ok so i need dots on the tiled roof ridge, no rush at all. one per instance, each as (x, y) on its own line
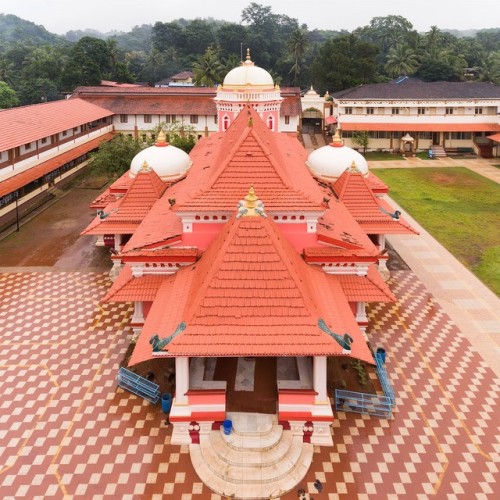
(213, 257)
(348, 174)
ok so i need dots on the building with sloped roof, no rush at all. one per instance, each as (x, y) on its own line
(43, 145)
(410, 115)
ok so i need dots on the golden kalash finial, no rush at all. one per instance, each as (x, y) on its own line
(162, 139)
(354, 168)
(250, 205)
(145, 167)
(248, 55)
(337, 142)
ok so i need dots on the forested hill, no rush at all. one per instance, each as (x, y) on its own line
(13, 29)
(37, 66)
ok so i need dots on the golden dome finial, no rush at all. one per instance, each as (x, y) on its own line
(145, 167)
(248, 54)
(354, 168)
(250, 205)
(162, 139)
(337, 141)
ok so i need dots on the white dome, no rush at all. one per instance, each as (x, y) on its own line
(169, 162)
(331, 161)
(248, 74)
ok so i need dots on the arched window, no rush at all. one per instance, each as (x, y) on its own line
(270, 122)
(225, 123)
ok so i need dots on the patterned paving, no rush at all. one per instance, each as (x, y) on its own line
(67, 431)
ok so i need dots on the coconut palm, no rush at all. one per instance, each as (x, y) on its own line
(401, 61)
(297, 47)
(208, 69)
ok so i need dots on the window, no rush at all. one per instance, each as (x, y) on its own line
(395, 111)
(270, 122)
(44, 140)
(144, 138)
(225, 123)
(65, 133)
(27, 146)
(147, 118)
(193, 119)
(425, 135)
(216, 119)
(287, 119)
(421, 111)
(449, 111)
(369, 111)
(348, 111)
(478, 111)
(123, 118)
(461, 136)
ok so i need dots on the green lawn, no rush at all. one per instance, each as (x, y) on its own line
(460, 208)
(382, 156)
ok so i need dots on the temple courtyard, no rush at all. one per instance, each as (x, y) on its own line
(67, 431)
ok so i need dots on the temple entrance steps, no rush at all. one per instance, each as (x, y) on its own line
(438, 151)
(259, 459)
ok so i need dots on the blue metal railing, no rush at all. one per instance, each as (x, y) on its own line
(359, 402)
(138, 385)
(371, 404)
(384, 379)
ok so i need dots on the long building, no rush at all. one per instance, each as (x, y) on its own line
(42, 146)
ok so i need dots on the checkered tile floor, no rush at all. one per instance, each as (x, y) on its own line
(67, 431)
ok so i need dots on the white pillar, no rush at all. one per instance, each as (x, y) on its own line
(381, 242)
(181, 380)
(319, 375)
(118, 241)
(138, 316)
(361, 312)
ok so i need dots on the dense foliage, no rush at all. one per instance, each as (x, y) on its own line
(41, 66)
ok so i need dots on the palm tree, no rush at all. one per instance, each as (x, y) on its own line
(154, 60)
(401, 61)
(208, 69)
(297, 47)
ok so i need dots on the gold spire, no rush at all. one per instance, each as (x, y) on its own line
(248, 54)
(145, 167)
(250, 205)
(162, 139)
(354, 168)
(337, 141)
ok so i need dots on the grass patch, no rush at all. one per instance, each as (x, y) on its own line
(460, 208)
(382, 156)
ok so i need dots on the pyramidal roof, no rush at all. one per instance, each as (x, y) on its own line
(125, 214)
(250, 294)
(251, 154)
(373, 214)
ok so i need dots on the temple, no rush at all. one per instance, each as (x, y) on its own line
(249, 264)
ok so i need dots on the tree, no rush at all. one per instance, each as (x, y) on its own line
(401, 61)
(361, 139)
(8, 97)
(113, 158)
(208, 70)
(297, 46)
(37, 90)
(180, 136)
(344, 62)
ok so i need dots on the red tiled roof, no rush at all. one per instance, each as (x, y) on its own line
(126, 288)
(15, 182)
(250, 154)
(291, 106)
(370, 288)
(422, 127)
(155, 105)
(370, 212)
(142, 91)
(26, 124)
(494, 137)
(127, 212)
(250, 294)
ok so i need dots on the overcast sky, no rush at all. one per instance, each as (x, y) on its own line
(60, 16)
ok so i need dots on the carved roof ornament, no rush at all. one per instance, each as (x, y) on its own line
(145, 167)
(162, 139)
(337, 142)
(354, 168)
(250, 205)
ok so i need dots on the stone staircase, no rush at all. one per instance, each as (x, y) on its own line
(259, 459)
(438, 151)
